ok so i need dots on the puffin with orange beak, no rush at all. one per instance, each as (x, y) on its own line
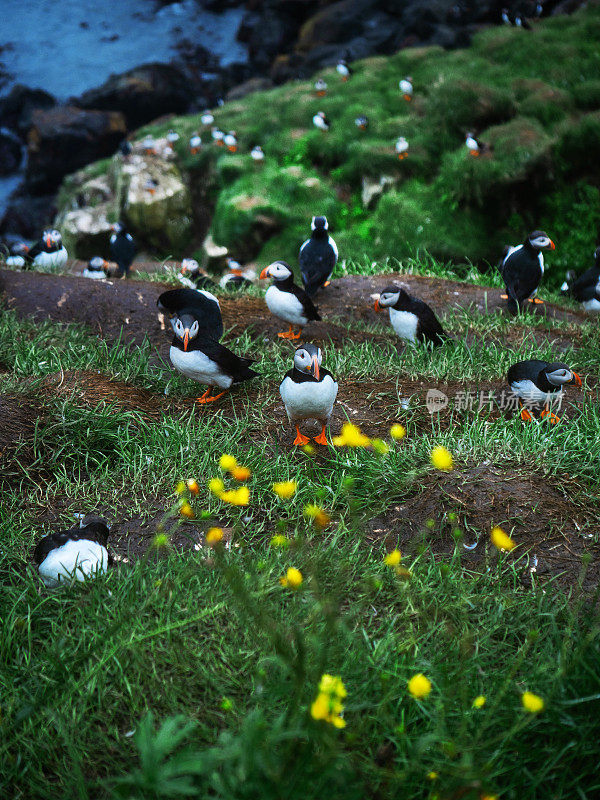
(193, 276)
(308, 391)
(96, 269)
(539, 385)
(48, 253)
(286, 301)
(522, 269)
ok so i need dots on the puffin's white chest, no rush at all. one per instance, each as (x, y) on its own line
(405, 324)
(78, 559)
(309, 400)
(199, 367)
(15, 261)
(529, 392)
(592, 306)
(285, 305)
(51, 260)
(94, 274)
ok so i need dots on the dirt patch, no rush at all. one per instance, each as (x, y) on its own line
(19, 416)
(551, 525)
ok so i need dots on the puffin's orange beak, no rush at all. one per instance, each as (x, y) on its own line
(577, 379)
(183, 270)
(552, 245)
(48, 241)
(315, 368)
(264, 274)
(237, 272)
(377, 307)
(186, 339)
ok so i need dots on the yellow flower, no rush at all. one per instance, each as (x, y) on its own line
(285, 489)
(419, 686)
(501, 540)
(227, 462)
(479, 701)
(241, 473)
(393, 559)
(398, 431)
(214, 536)
(532, 702)
(309, 449)
(186, 510)
(328, 704)
(292, 579)
(192, 486)
(319, 517)
(216, 486)
(236, 497)
(380, 447)
(351, 437)
(279, 540)
(442, 459)
(160, 541)
(489, 797)
(432, 776)
(180, 488)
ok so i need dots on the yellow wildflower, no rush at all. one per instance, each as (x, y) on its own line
(292, 579)
(227, 462)
(351, 437)
(432, 776)
(186, 510)
(332, 684)
(160, 541)
(398, 431)
(393, 559)
(285, 489)
(380, 447)
(180, 488)
(419, 686)
(442, 459)
(279, 540)
(236, 497)
(192, 485)
(214, 536)
(320, 518)
(216, 486)
(328, 704)
(241, 473)
(479, 701)
(501, 540)
(309, 449)
(532, 702)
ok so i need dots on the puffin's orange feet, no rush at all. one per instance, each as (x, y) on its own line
(321, 438)
(326, 284)
(300, 438)
(547, 413)
(289, 334)
(504, 297)
(205, 398)
(536, 300)
(526, 415)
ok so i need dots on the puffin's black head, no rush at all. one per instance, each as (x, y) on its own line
(308, 359)
(95, 528)
(559, 374)
(393, 297)
(278, 270)
(186, 327)
(319, 225)
(540, 240)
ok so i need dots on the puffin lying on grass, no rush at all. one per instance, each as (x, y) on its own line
(192, 276)
(75, 554)
(308, 391)
(585, 288)
(48, 253)
(522, 268)
(538, 385)
(411, 318)
(97, 269)
(286, 301)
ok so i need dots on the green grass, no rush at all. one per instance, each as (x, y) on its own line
(219, 644)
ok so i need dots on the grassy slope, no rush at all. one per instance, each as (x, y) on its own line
(229, 649)
(535, 96)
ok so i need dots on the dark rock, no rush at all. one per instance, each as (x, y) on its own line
(64, 139)
(26, 216)
(248, 87)
(18, 106)
(10, 152)
(141, 94)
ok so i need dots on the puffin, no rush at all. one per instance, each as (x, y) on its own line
(198, 355)
(522, 268)
(411, 318)
(125, 148)
(362, 122)
(207, 118)
(318, 257)
(150, 186)
(406, 88)
(257, 154)
(286, 301)
(237, 277)
(320, 87)
(505, 16)
(308, 391)
(230, 141)
(343, 70)
(122, 249)
(17, 255)
(401, 147)
(172, 138)
(585, 288)
(192, 276)
(475, 146)
(48, 253)
(96, 269)
(200, 304)
(217, 136)
(195, 143)
(321, 122)
(538, 384)
(149, 145)
(78, 553)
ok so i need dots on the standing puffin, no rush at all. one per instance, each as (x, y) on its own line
(192, 276)
(122, 249)
(195, 143)
(96, 268)
(286, 301)
(585, 288)
(200, 304)
(149, 145)
(150, 186)
(362, 122)
(230, 141)
(321, 122)
(401, 147)
(172, 138)
(343, 70)
(217, 136)
(257, 154)
(411, 318)
(207, 118)
(406, 88)
(318, 256)
(320, 87)
(308, 391)
(78, 553)
(522, 268)
(539, 384)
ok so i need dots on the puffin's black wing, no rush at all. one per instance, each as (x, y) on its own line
(311, 311)
(521, 275)
(94, 532)
(584, 284)
(205, 310)
(228, 362)
(430, 328)
(123, 250)
(525, 370)
(317, 261)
